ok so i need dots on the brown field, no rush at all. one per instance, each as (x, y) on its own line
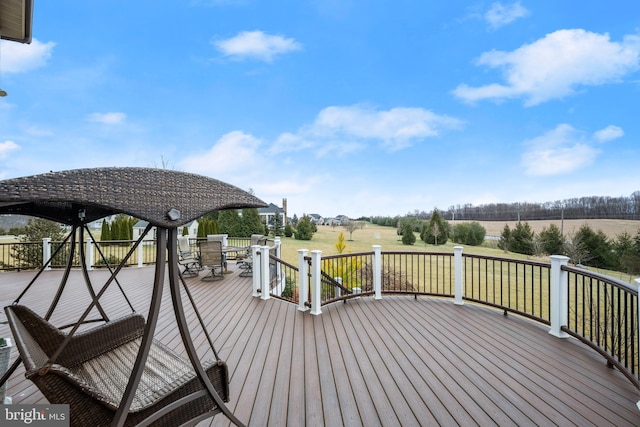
(611, 227)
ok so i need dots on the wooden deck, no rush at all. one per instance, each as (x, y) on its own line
(399, 361)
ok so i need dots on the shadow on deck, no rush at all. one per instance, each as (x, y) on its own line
(399, 361)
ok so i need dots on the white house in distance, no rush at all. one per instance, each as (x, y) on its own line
(139, 227)
(268, 214)
(316, 219)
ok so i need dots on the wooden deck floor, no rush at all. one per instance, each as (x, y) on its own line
(399, 361)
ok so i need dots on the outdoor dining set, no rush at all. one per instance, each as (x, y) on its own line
(212, 254)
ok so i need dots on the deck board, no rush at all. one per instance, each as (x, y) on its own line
(398, 361)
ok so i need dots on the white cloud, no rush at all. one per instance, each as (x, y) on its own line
(500, 15)
(234, 152)
(555, 66)
(256, 45)
(609, 133)
(112, 118)
(20, 57)
(7, 148)
(345, 129)
(560, 151)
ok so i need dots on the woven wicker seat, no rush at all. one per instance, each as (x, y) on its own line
(95, 367)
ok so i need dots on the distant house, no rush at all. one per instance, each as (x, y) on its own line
(139, 227)
(316, 219)
(342, 219)
(269, 213)
(331, 221)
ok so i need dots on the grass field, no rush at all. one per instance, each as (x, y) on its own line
(611, 227)
(326, 238)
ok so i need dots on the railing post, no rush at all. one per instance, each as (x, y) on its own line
(458, 275)
(88, 247)
(338, 290)
(377, 271)
(280, 280)
(559, 296)
(316, 282)
(46, 251)
(303, 280)
(277, 243)
(255, 268)
(264, 273)
(141, 254)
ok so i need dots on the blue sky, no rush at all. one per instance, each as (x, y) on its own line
(348, 107)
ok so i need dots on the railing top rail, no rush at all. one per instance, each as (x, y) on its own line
(416, 253)
(281, 261)
(520, 261)
(632, 289)
(350, 254)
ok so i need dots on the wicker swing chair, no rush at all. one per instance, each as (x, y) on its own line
(117, 373)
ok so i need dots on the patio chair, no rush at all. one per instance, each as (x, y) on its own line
(211, 257)
(93, 370)
(187, 259)
(246, 260)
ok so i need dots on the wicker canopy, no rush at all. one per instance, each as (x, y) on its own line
(162, 197)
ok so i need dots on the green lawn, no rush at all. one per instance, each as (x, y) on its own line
(326, 238)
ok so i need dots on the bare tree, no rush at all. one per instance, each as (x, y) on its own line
(351, 226)
(576, 249)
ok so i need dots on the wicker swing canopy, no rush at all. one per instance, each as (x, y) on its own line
(164, 198)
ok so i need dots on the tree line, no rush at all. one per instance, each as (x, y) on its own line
(593, 207)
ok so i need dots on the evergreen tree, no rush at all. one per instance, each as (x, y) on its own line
(341, 245)
(522, 239)
(551, 240)
(185, 231)
(436, 231)
(251, 222)
(28, 256)
(288, 230)
(597, 245)
(277, 226)
(505, 238)
(304, 230)
(408, 238)
(229, 222)
(625, 255)
(469, 233)
(115, 230)
(105, 233)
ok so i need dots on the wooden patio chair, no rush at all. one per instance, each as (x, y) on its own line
(211, 257)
